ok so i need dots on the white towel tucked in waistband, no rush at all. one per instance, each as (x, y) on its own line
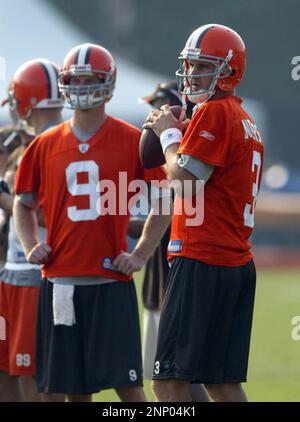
(63, 306)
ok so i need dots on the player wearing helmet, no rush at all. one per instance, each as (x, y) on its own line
(88, 329)
(35, 96)
(36, 105)
(206, 319)
(157, 268)
(212, 62)
(90, 61)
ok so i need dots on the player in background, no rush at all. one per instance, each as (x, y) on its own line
(36, 105)
(205, 325)
(9, 140)
(157, 268)
(88, 327)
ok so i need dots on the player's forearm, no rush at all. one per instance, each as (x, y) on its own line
(6, 202)
(174, 171)
(25, 220)
(178, 175)
(154, 229)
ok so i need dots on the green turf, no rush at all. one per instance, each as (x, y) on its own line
(274, 367)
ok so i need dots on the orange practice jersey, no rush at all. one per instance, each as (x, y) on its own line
(66, 173)
(222, 135)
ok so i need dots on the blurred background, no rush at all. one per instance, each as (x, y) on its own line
(146, 38)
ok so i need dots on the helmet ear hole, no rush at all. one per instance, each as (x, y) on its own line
(228, 71)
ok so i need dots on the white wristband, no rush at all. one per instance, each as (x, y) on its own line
(169, 137)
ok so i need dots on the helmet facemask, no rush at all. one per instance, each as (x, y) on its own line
(84, 97)
(185, 80)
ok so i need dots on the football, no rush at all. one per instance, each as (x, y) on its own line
(151, 153)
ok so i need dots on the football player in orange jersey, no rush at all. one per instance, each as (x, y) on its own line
(35, 104)
(88, 335)
(205, 325)
(157, 268)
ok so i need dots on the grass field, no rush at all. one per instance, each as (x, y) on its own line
(274, 367)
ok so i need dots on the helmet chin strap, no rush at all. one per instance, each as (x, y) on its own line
(201, 98)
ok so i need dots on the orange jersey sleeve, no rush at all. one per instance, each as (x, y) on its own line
(207, 137)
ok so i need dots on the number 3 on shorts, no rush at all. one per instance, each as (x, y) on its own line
(156, 367)
(83, 189)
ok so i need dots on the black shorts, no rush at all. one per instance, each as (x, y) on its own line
(205, 325)
(102, 350)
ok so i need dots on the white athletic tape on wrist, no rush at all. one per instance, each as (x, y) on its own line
(169, 137)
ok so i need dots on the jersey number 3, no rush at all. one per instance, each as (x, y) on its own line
(248, 216)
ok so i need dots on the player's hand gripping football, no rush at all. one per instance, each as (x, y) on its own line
(160, 120)
(128, 263)
(39, 254)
